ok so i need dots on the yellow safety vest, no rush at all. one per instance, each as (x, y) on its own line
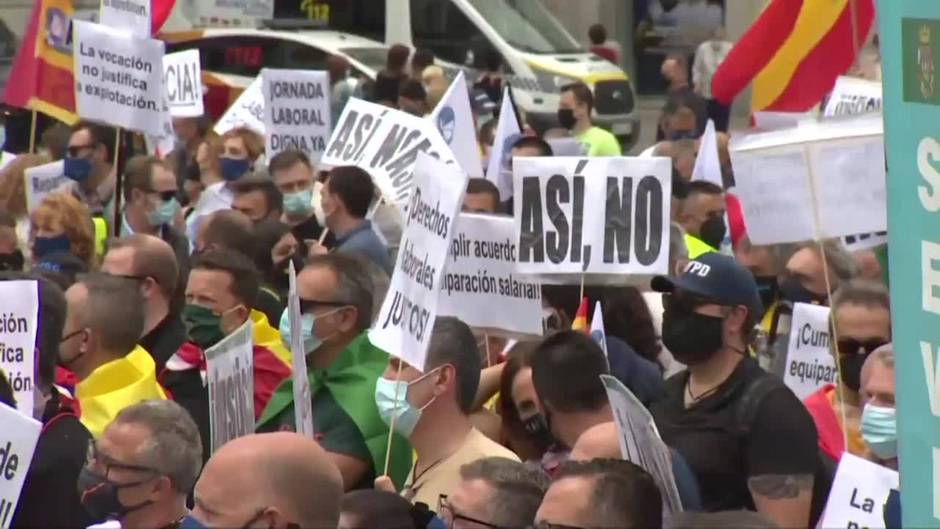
(697, 246)
(101, 234)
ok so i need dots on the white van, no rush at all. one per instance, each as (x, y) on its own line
(539, 55)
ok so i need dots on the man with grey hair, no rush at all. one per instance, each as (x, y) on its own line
(879, 422)
(495, 492)
(103, 323)
(807, 278)
(142, 468)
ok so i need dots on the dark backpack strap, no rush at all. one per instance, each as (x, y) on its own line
(749, 404)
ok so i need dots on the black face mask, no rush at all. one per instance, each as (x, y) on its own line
(99, 496)
(537, 426)
(713, 231)
(850, 367)
(793, 291)
(566, 118)
(692, 338)
(12, 261)
(767, 288)
(680, 188)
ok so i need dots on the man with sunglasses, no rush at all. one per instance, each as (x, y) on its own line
(89, 166)
(494, 493)
(335, 293)
(861, 316)
(748, 439)
(142, 468)
(151, 206)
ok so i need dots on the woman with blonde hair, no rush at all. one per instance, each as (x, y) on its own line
(13, 190)
(62, 224)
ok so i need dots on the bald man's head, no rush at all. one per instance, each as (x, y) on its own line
(227, 229)
(282, 477)
(601, 441)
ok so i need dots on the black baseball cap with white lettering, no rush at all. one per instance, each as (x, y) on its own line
(718, 278)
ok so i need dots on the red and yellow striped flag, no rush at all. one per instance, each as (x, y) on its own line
(580, 322)
(794, 52)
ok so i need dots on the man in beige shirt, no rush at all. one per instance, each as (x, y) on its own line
(432, 410)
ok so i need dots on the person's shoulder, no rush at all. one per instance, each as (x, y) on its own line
(478, 446)
(64, 440)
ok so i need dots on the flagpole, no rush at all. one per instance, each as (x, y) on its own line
(118, 188)
(32, 133)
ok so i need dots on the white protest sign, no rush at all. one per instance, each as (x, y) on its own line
(592, 215)
(17, 444)
(707, 162)
(640, 442)
(303, 406)
(246, 111)
(164, 143)
(132, 16)
(41, 181)
(230, 370)
(226, 13)
(507, 133)
(816, 181)
(852, 96)
(480, 285)
(296, 111)
(385, 142)
(809, 364)
(858, 494)
(18, 324)
(454, 120)
(404, 324)
(118, 78)
(182, 83)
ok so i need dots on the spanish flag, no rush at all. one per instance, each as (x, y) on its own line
(794, 52)
(580, 322)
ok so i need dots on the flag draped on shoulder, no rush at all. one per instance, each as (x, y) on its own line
(794, 52)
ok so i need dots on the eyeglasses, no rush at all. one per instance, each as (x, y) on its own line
(95, 459)
(685, 302)
(131, 277)
(165, 196)
(71, 335)
(450, 516)
(851, 346)
(75, 150)
(308, 306)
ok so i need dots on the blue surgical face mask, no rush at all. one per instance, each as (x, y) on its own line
(880, 431)
(311, 342)
(391, 398)
(298, 203)
(234, 168)
(43, 246)
(164, 213)
(189, 522)
(78, 169)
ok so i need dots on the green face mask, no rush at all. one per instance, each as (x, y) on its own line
(203, 325)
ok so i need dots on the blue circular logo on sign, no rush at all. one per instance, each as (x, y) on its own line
(446, 123)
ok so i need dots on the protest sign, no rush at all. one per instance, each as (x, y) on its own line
(816, 181)
(640, 442)
(118, 78)
(598, 333)
(625, 230)
(303, 405)
(182, 83)
(132, 16)
(480, 284)
(386, 143)
(230, 370)
(454, 120)
(507, 133)
(246, 111)
(18, 324)
(226, 13)
(296, 111)
(41, 181)
(18, 440)
(809, 364)
(852, 96)
(404, 324)
(858, 494)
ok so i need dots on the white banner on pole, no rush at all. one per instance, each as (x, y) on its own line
(809, 364)
(303, 405)
(403, 327)
(859, 493)
(182, 83)
(480, 284)
(454, 120)
(246, 111)
(640, 442)
(592, 215)
(41, 181)
(296, 111)
(18, 327)
(230, 370)
(18, 440)
(386, 143)
(853, 96)
(132, 16)
(118, 78)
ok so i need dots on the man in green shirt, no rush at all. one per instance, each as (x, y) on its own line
(335, 293)
(574, 114)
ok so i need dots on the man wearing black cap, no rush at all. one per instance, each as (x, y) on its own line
(748, 439)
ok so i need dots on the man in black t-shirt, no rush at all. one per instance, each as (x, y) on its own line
(749, 440)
